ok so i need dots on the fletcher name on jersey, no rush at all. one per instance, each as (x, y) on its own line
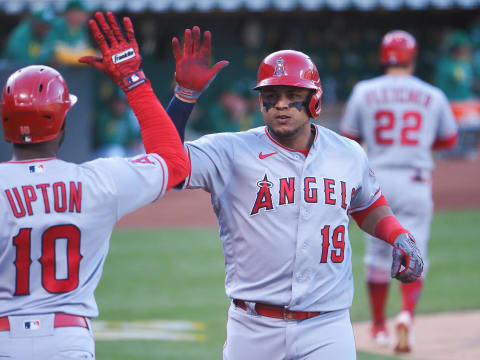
(400, 119)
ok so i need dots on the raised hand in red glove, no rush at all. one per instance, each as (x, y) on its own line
(121, 59)
(193, 74)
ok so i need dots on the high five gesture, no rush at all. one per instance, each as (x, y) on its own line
(121, 59)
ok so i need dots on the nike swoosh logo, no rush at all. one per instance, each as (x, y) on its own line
(264, 156)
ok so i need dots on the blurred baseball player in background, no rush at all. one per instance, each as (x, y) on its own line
(283, 194)
(57, 217)
(401, 119)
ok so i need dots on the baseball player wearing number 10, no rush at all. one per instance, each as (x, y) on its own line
(283, 194)
(57, 217)
(400, 118)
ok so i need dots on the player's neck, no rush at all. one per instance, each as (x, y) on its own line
(33, 151)
(400, 71)
(303, 140)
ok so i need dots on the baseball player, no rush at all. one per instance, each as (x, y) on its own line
(57, 217)
(283, 194)
(400, 118)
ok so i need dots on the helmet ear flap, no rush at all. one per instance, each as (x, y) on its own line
(314, 103)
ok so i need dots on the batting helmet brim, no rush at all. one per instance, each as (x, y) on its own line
(286, 81)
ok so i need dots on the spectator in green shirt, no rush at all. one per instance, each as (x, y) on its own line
(70, 34)
(455, 72)
(29, 42)
(235, 110)
(116, 129)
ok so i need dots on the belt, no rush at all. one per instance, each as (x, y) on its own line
(278, 312)
(60, 320)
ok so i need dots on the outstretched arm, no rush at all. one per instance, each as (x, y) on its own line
(193, 75)
(378, 220)
(121, 61)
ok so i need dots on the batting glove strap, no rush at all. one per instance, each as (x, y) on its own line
(133, 80)
(192, 72)
(406, 254)
(187, 94)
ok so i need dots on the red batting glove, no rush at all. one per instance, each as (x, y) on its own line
(121, 59)
(192, 72)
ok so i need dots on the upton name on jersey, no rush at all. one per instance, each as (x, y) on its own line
(57, 197)
(57, 218)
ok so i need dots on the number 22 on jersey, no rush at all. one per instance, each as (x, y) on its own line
(411, 123)
(22, 242)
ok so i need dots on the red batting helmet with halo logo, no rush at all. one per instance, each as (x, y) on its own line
(292, 68)
(35, 101)
(398, 48)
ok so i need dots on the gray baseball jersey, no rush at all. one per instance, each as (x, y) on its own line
(283, 216)
(57, 218)
(398, 118)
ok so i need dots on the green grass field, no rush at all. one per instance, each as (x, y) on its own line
(175, 274)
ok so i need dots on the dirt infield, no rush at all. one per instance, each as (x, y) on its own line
(455, 184)
(446, 336)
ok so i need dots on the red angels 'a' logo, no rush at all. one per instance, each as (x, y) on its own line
(264, 196)
(279, 68)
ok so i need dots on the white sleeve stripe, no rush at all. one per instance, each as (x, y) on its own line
(164, 183)
(190, 172)
(445, 137)
(372, 200)
(345, 129)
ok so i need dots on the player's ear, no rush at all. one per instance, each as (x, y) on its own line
(61, 134)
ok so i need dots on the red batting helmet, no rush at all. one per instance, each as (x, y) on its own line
(398, 48)
(35, 101)
(292, 68)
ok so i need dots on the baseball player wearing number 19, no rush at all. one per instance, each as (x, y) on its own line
(400, 118)
(57, 217)
(283, 194)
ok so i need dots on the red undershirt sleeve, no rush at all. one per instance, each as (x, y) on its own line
(159, 135)
(387, 228)
(352, 136)
(446, 143)
(359, 216)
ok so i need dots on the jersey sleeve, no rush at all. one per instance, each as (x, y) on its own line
(447, 125)
(350, 122)
(368, 190)
(134, 182)
(211, 159)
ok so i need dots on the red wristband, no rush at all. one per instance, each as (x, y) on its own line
(133, 80)
(388, 229)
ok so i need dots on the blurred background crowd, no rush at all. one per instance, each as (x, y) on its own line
(343, 42)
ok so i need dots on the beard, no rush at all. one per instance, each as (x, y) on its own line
(284, 134)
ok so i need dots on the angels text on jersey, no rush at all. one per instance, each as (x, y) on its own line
(311, 187)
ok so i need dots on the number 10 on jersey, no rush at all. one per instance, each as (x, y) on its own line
(23, 240)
